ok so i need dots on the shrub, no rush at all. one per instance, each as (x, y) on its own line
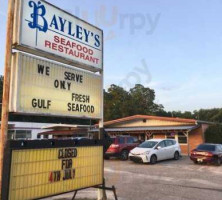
(214, 134)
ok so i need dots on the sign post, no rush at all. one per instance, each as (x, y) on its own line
(101, 192)
(6, 84)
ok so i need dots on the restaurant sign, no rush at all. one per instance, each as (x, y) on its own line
(37, 169)
(48, 31)
(42, 87)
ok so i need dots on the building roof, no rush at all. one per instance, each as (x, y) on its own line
(134, 117)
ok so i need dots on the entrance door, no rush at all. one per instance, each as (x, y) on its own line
(161, 151)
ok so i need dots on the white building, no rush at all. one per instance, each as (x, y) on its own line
(25, 130)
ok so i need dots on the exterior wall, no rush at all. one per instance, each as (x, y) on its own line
(184, 149)
(149, 122)
(159, 136)
(196, 137)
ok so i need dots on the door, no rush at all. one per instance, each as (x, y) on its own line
(161, 151)
(130, 143)
(170, 149)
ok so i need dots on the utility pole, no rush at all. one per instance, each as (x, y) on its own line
(6, 84)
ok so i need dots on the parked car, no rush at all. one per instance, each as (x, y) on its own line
(121, 146)
(155, 150)
(207, 153)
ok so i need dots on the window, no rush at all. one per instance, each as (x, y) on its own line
(121, 140)
(22, 134)
(219, 148)
(148, 144)
(130, 140)
(206, 147)
(162, 144)
(169, 143)
(182, 139)
(11, 134)
(170, 135)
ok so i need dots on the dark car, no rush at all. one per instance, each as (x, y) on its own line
(121, 147)
(207, 153)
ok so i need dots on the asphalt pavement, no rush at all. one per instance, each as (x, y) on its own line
(166, 180)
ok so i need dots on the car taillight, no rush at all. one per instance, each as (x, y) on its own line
(115, 146)
(209, 154)
(193, 152)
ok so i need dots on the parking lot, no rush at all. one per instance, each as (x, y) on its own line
(167, 180)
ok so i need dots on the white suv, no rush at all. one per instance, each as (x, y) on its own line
(155, 150)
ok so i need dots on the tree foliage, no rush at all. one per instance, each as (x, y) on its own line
(120, 103)
(214, 134)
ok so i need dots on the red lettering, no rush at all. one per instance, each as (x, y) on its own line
(56, 39)
(60, 48)
(47, 44)
(73, 44)
(90, 52)
(63, 41)
(79, 47)
(82, 55)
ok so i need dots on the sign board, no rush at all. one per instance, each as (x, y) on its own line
(48, 31)
(37, 169)
(46, 88)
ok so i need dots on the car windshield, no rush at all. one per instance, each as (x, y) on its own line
(205, 147)
(148, 144)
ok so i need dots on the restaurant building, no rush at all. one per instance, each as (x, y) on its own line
(188, 132)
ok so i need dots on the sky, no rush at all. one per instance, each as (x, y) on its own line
(171, 46)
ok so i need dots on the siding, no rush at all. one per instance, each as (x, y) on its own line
(184, 149)
(159, 136)
(148, 122)
(196, 138)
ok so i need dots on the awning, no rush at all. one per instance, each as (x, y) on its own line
(65, 132)
(151, 128)
(65, 126)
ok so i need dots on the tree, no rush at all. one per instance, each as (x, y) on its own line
(143, 100)
(214, 114)
(120, 103)
(116, 103)
(214, 134)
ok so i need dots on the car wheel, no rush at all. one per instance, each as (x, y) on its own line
(106, 157)
(124, 155)
(153, 159)
(195, 162)
(176, 155)
(218, 162)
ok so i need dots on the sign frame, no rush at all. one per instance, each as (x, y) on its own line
(16, 44)
(16, 84)
(44, 144)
